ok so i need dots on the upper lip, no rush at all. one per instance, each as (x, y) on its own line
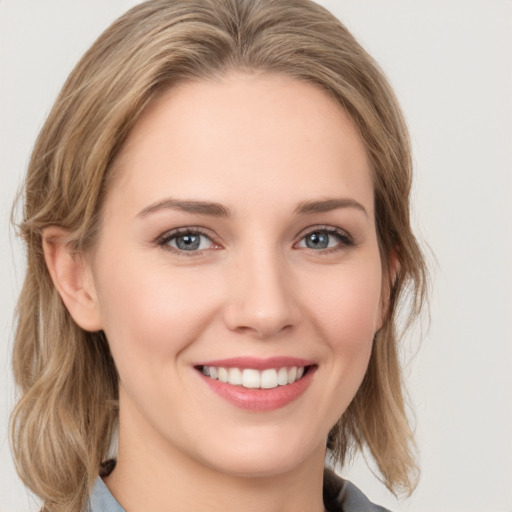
(257, 363)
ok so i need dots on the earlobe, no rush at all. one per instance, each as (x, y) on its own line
(393, 268)
(72, 277)
(389, 277)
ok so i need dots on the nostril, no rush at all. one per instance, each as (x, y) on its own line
(264, 328)
(263, 310)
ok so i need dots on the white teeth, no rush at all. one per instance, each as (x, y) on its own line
(282, 376)
(269, 379)
(235, 376)
(250, 378)
(223, 374)
(254, 379)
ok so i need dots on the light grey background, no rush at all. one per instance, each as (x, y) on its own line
(450, 64)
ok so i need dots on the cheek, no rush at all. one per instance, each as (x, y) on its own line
(149, 317)
(347, 306)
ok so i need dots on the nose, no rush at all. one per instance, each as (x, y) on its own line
(263, 300)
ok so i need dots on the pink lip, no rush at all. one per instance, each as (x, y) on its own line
(260, 400)
(258, 363)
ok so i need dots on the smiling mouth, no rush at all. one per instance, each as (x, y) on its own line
(251, 378)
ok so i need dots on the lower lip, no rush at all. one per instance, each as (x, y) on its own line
(260, 399)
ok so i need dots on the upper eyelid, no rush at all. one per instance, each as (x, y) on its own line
(164, 237)
(186, 230)
(163, 241)
(327, 227)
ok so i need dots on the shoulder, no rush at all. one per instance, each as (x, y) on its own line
(342, 496)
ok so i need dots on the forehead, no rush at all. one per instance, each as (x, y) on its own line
(242, 135)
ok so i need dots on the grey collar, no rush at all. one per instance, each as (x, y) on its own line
(339, 496)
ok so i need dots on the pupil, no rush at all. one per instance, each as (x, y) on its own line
(188, 242)
(317, 241)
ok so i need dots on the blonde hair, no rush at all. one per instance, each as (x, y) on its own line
(63, 422)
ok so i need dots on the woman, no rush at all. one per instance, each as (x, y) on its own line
(217, 226)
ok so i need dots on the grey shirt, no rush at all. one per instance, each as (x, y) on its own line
(339, 496)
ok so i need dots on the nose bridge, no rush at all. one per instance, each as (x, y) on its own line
(263, 301)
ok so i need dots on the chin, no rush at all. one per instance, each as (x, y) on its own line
(265, 459)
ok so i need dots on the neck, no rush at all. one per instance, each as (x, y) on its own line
(155, 476)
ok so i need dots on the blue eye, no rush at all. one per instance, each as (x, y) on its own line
(321, 239)
(189, 241)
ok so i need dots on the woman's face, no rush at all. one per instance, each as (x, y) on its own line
(238, 242)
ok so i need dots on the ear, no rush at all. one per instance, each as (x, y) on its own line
(72, 277)
(389, 275)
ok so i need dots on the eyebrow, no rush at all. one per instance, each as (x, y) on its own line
(218, 210)
(198, 207)
(327, 205)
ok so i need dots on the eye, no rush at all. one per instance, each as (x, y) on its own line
(325, 238)
(187, 240)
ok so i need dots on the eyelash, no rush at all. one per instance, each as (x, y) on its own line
(164, 240)
(345, 239)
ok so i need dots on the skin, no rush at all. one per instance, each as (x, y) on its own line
(261, 146)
